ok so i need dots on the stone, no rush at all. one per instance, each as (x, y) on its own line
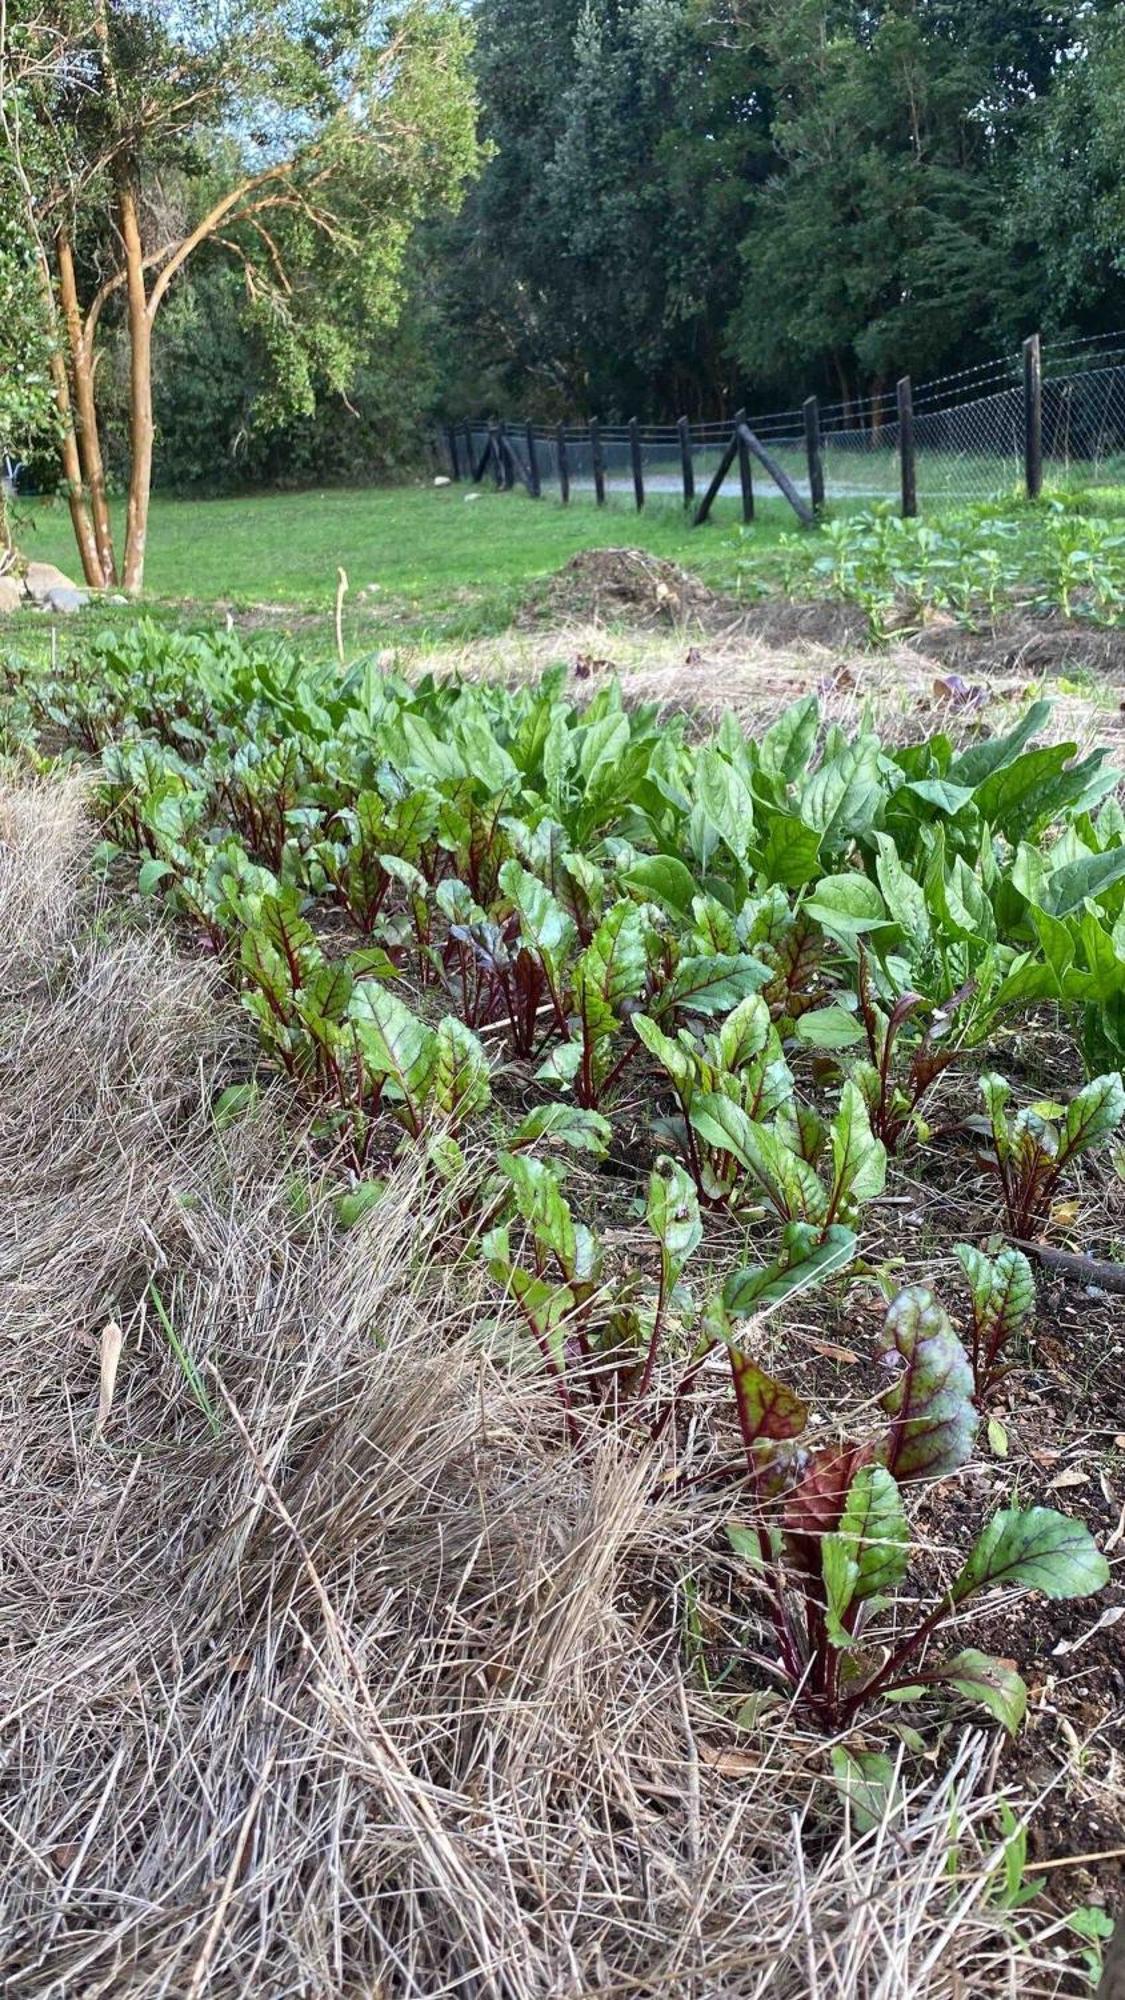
(44, 577)
(442, 479)
(11, 593)
(65, 598)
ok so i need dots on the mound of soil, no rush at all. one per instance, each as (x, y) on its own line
(626, 584)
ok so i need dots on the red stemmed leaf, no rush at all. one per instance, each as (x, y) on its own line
(930, 1404)
(816, 1504)
(767, 1410)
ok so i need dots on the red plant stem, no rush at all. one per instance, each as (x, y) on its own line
(685, 1383)
(885, 1677)
(654, 1340)
(557, 1376)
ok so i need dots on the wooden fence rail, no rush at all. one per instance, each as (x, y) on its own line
(738, 440)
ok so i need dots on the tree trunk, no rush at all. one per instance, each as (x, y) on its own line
(68, 443)
(140, 387)
(89, 443)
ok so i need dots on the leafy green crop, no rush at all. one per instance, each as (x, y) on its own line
(832, 1542)
(1032, 1147)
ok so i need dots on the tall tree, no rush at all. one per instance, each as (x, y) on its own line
(590, 269)
(877, 245)
(303, 139)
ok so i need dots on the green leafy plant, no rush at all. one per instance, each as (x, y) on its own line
(832, 1541)
(347, 1040)
(1002, 1305)
(1032, 1148)
(596, 1341)
(901, 1065)
(742, 1060)
(794, 1165)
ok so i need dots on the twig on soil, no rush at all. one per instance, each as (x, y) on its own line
(1068, 1263)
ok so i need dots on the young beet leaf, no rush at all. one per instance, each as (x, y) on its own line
(1032, 1148)
(742, 1061)
(1002, 1296)
(933, 1421)
(842, 1544)
(773, 1162)
(607, 979)
(589, 1329)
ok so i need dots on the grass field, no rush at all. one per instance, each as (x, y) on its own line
(431, 551)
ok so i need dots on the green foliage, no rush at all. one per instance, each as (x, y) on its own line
(1032, 1147)
(833, 1543)
(592, 269)
(1002, 1300)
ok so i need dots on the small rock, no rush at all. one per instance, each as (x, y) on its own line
(64, 599)
(443, 479)
(11, 593)
(42, 578)
(472, 496)
(117, 598)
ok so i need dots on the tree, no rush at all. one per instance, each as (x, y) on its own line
(1070, 199)
(590, 269)
(302, 141)
(878, 245)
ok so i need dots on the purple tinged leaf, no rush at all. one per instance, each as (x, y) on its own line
(767, 1410)
(816, 1504)
(933, 1421)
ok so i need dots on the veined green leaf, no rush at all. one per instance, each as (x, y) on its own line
(788, 743)
(672, 1212)
(461, 1083)
(933, 1420)
(865, 1780)
(869, 1551)
(993, 1684)
(1036, 1547)
(830, 1028)
(807, 1257)
(712, 985)
(393, 1041)
(661, 878)
(977, 763)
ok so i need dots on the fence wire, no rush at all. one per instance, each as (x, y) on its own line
(969, 434)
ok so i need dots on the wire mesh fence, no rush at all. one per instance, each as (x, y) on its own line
(969, 442)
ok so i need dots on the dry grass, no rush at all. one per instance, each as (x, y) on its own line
(752, 675)
(326, 1671)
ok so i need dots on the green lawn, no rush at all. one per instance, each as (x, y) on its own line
(434, 553)
(442, 565)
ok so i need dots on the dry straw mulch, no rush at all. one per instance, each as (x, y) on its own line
(325, 1669)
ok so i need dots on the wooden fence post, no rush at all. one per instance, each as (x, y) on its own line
(709, 498)
(813, 453)
(754, 448)
(454, 461)
(534, 486)
(468, 431)
(494, 452)
(906, 449)
(637, 463)
(564, 464)
(598, 461)
(687, 467)
(1033, 416)
(745, 471)
(504, 459)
